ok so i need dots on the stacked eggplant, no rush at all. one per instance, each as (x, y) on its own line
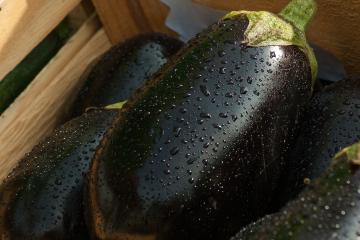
(325, 163)
(209, 140)
(326, 209)
(42, 198)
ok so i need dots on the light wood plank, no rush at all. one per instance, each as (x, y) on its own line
(123, 19)
(334, 28)
(41, 107)
(112, 14)
(155, 13)
(80, 14)
(24, 23)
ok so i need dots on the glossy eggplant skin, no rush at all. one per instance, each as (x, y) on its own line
(124, 68)
(42, 197)
(327, 209)
(332, 122)
(197, 151)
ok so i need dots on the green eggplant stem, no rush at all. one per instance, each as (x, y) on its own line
(117, 105)
(299, 13)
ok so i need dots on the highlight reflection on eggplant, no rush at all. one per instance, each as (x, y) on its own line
(197, 152)
(42, 197)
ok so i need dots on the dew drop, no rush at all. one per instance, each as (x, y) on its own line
(191, 161)
(174, 151)
(204, 90)
(183, 110)
(223, 115)
(249, 80)
(346, 102)
(222, 70)
(58, 181)
(229, 95)
(221, 53)
(217, 126)
(198, 76)
(341, 112)
(205, 115)
(177, 132)
(243, 90)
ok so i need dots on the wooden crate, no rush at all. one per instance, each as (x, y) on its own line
(39, 109)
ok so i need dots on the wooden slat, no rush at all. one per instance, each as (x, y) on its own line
(88, 6)
(80, 14)
(24, 23)
(41, 107)
(334, 28)
(155, 13)
(126, 18)
(111, 14)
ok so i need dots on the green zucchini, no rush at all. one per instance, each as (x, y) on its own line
(124, 68)
(196, 152)
(327, 209)
(18, 79)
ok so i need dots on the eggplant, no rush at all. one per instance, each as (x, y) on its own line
(124, 68)
(42, 197)
(197, 151)
(332, 122)
(327, 209)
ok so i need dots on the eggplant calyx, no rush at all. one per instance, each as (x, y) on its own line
(352, 154)
(299, 13)
(268, 29)
(117, 105)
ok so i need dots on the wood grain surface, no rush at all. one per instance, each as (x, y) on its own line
(335, 27)
(24, 23)
(42, 105)
(123, 19)
(80, 14)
